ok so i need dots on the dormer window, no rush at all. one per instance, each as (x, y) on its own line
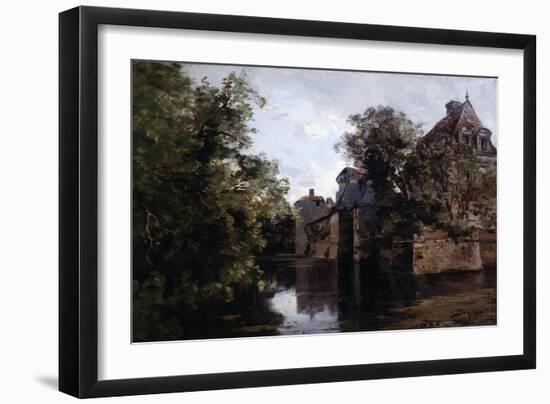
(484, 145)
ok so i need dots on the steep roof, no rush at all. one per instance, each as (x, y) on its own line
(459, 116)
(351, 171)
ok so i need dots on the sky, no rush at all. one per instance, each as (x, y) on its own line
(307, 110)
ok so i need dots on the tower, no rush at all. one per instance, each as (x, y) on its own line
(310, 207)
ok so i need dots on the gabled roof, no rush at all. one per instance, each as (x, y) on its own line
(463, 116)
(351, 171)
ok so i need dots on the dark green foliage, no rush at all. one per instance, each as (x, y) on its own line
(452, 177)
(278, 231)
(383, 142)
(416, 184)
(198, 195)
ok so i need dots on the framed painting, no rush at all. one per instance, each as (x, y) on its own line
(251, 201)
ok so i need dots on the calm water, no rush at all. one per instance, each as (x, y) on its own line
(318, 296)
(309, 296)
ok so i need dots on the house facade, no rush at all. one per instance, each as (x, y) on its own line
(337, 229)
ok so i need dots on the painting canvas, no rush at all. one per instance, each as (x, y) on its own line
(283, 201)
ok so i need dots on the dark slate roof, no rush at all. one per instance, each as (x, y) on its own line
(461, 116)
(351, 170)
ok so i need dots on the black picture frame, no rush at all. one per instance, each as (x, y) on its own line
(78, 201)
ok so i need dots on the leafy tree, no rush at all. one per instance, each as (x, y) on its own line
(197, 195)
(383, 142)
(278, 232)
(451, 176)
(416, 184)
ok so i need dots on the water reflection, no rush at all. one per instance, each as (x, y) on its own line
(319, 296)
(300, 319)
(310, 303)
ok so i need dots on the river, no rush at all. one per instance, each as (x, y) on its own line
(311, 296)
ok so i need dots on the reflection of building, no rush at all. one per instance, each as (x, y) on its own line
(337, 230)
(316, 287)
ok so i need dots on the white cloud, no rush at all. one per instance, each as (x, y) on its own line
(316, 129)
(309, 173)
(323, 125)
(306, 112)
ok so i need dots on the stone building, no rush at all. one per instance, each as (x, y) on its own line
(326, 230)
(462, 126)
(462, 130)
(336, 230)
(310, 207)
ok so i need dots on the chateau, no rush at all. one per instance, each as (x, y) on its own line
(336, 229)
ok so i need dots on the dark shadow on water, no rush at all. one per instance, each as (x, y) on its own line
(48, 381)
(314, 296)
(319, 296)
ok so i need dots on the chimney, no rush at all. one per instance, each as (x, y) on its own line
(452, 106)
(311, 192)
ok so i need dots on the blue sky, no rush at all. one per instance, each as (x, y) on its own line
(306, 112)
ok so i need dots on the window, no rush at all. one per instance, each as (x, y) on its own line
(484, 144)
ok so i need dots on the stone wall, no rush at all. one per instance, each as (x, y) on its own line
(331, 245)
(362, 220)
(488, 247)
(329, 237)
(345, 235)
(308, 211)
(434, 252)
